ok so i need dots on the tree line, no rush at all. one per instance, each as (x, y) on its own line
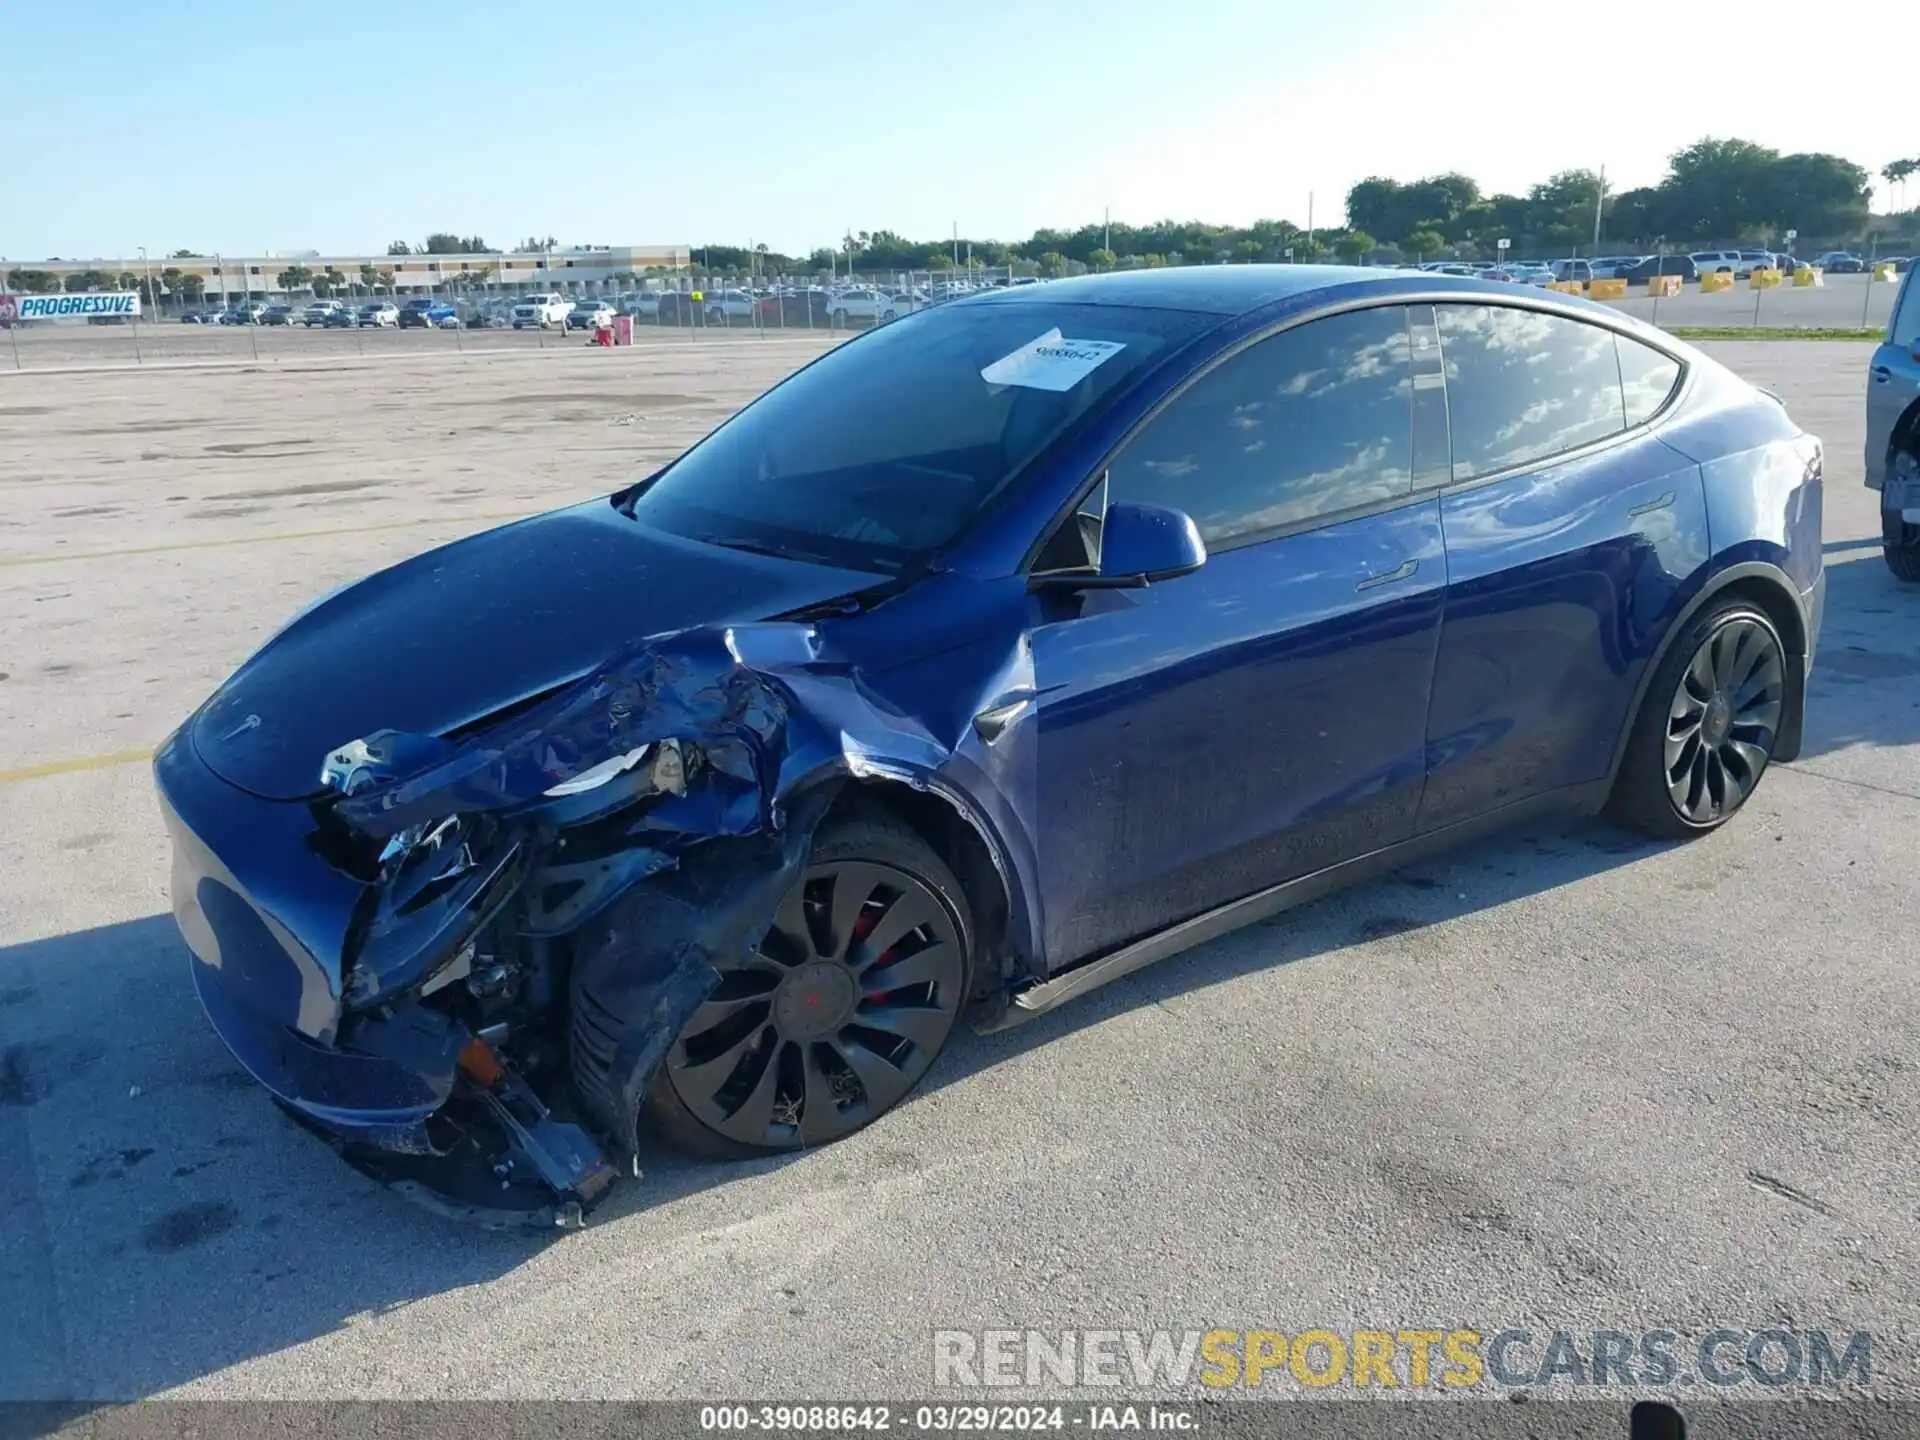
(1715, 192)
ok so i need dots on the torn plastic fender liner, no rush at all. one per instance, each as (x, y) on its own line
(650, 960)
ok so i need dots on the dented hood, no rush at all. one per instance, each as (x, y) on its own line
(449, 637)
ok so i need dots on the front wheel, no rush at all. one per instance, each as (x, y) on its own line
(838, 1014)
(1707, 726)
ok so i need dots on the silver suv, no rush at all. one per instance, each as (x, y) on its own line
(1893, 432)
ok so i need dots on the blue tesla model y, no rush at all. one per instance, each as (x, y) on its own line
(993, 655)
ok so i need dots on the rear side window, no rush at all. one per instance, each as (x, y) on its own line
(1647, 378)
(1524, 386)
(1314, 421)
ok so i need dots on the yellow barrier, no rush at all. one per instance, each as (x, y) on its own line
(1663, 285)
(1885, 272)
(1716, 280)
(1763, 279)
(1607, 290)
(1807, 277)
(1567, 287)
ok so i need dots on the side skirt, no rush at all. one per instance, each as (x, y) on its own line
(1089, 975)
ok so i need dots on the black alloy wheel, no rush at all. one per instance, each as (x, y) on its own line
(1900, 542)
(1708, 726)
(841, 1010)
(1723, 719)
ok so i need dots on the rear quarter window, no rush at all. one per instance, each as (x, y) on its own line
(1647, 378)
(1524, 386)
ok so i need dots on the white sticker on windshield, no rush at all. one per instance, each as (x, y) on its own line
(1051, 362)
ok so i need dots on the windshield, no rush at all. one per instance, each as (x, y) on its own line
(880, 453)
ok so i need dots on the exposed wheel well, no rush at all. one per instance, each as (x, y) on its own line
(960, 845)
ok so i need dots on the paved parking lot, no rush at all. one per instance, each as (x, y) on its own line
(1567, 1078)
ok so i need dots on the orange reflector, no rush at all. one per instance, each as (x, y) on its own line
(478, 1060)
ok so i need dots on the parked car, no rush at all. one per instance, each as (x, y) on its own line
(243, 313)
(1893, 432)
(1524, 273)
(279, 315)
(589, 315)
(1611, 267)
(541, 312)
(380, 314)
(1652, 265)
(427, 312)
(200, 317)
(1840, 262)
(728, 307)
(1565, 270)
(701, 811)
(798, 308)
(494, 313)
(869, 307)
(1723, 262)
(341, 318)
(678, 307)
(320, 312)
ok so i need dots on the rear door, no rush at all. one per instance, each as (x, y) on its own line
(1569, 528)
(1264, 716)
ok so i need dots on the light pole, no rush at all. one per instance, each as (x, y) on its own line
(146, 271)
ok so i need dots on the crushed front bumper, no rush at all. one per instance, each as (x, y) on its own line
(404, 1091)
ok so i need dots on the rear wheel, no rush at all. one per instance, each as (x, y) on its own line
(1901, 542)
(1707, 725)
(838, 1014)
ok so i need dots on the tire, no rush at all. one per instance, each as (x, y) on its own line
(1707, 725)
(1903, 554)
(690, 1110)
(840, 318)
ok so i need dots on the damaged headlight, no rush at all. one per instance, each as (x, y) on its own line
(655, 768)
(598, 775)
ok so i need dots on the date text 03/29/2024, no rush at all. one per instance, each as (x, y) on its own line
(948, 1419)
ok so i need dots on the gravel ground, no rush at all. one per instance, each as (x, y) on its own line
(1564, 1079)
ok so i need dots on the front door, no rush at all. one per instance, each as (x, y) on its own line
(1265, 716)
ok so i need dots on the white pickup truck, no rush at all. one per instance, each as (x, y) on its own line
(542, 311)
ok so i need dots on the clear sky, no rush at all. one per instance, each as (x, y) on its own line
(342, 126)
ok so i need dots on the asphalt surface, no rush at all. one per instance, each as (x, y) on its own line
(1564, 1079)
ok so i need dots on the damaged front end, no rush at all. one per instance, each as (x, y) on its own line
(462, 959)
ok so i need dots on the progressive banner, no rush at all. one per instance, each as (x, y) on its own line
(66, 307)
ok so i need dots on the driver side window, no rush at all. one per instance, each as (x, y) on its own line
(1310, 423)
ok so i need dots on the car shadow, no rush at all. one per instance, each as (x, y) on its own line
(1865, 686)
(161, 1221)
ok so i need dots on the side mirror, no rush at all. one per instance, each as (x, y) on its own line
(1139, 545)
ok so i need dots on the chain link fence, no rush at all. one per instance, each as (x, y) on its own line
(248, 313)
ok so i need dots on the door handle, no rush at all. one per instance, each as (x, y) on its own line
(1881, 374)
(1403, 571)
(1659, 502)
